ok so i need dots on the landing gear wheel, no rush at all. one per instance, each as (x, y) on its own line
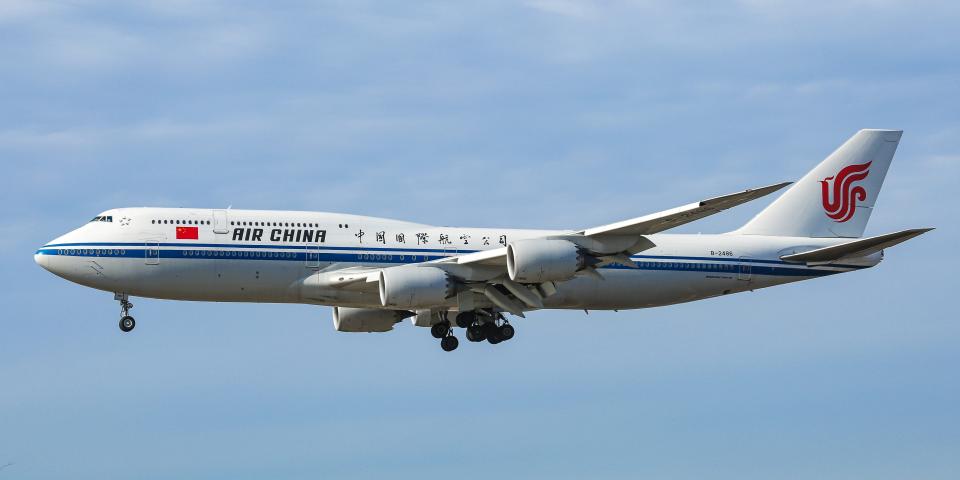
(127, 323)
(475, 333)
(465, 319)
(492, 332)
(506, 331)
(449, 343)
(440, 330)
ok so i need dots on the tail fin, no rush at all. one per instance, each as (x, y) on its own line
(835, 199)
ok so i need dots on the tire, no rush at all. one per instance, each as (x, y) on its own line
(449, 344)
(506, 331)
(492, 333)
(465, 319)
(127, 323)
(475, 334)
(440, 330)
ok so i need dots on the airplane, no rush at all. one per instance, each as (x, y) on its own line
(376, 272)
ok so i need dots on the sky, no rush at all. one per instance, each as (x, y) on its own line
(540, 114)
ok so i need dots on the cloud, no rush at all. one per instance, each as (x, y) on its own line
(100, 136)
(12, 11)
(90, 40)
(567, 8)
(550, 113)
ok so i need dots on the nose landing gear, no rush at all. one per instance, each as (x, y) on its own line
(126, 321)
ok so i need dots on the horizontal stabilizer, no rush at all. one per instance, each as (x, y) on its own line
(856, 248)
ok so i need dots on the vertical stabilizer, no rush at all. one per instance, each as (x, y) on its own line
(834, 199)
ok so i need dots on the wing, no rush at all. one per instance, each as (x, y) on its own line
(482, 272)
(349, 277)
(667, 219)
(635, 228)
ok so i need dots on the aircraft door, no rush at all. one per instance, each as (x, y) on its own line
(152, 253)
(220, 222)
(744, 270)
(313, 255)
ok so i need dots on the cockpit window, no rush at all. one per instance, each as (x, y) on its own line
(103, 218)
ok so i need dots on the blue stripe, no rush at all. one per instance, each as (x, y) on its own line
(415, 251)
(284, 247)
(729, 267)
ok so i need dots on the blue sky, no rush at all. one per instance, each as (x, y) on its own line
(547, 113)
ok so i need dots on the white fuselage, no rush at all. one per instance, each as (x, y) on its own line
(278, 256)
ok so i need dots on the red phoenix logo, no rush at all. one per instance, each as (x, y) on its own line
(838, 190)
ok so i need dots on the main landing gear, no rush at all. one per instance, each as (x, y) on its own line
(443, 331)
(449, 343)
(490, 326)
(126, 321)
(493, 331)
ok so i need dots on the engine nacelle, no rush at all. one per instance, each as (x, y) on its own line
(366, 319)
(544, 260)
(415, 287)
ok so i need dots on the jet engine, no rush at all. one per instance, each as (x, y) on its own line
(545, 260)
(366, 319)
(415, 287)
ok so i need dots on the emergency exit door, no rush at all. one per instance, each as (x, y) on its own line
(220, 222)
(152, 253)
(313, 255)
(744, 270)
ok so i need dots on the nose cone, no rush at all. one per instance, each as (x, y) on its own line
(46, 256)
(42, 259)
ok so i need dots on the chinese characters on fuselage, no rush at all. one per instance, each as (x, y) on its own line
(304, 235)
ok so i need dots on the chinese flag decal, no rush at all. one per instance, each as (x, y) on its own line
(188, 233)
